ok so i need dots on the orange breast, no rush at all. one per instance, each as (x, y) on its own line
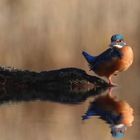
(126, 111)
(126, 60)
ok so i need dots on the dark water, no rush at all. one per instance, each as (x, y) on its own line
(48, 120)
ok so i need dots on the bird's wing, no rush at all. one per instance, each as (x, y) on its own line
(106, 115)
(107, 56)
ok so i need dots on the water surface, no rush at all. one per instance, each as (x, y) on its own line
(47, 120)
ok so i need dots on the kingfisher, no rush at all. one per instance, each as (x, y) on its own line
(117, 113)
(118, 57)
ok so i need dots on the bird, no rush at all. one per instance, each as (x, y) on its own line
(117, 113)
(117, 58)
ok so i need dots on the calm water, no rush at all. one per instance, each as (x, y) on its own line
(45, 120)
(57, 31)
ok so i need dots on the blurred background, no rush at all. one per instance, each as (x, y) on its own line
(50, 34)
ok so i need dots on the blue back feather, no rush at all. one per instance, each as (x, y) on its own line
(108, 55)
(108, 116)
(88, 57)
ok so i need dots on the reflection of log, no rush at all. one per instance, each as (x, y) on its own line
(66, 85)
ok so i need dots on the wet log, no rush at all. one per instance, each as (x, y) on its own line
(69, 85)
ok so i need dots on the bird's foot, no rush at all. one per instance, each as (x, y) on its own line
(110, 91)
(111, 84)
(90, 67)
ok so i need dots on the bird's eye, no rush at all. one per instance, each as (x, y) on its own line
(119, 40)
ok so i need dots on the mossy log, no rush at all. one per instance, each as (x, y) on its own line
(69, 85)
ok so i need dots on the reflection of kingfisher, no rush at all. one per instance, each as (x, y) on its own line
(117, 113)
(115, 59)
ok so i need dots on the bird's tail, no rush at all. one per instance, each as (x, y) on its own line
(90, 59)
(88, 114)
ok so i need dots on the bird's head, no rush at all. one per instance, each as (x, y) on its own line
(118, 131)
(117, 40)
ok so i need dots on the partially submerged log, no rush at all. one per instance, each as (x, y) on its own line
(69, 85)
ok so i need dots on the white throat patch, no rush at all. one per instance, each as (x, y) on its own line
(118, 46)
(119, 126)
